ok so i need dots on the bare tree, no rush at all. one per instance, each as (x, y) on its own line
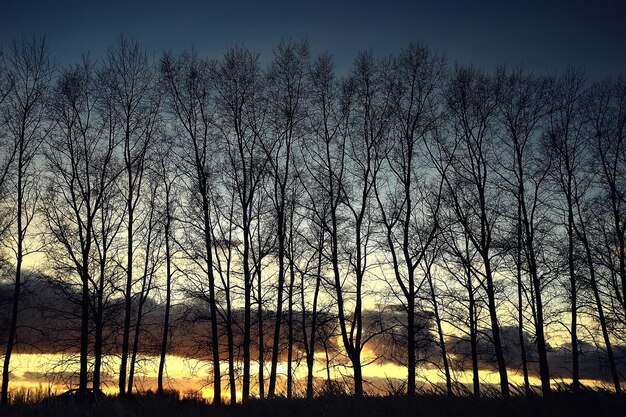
(457, 260)
(361, 156)
(29, 71)
(565, 142)
(287, 78)
(79, 156)
(107, 226)
(411, 224)
(241, 121)
(472, 102)
(524, 106)
(134, 103)
(189, 91)
(265, 240)
(168, 177)
(428, 267)
(324, 154)
(315, 240)
(225, 246)
(608, 130)
(487, 208)
(6, 86)
(606, 108)
(152, 240)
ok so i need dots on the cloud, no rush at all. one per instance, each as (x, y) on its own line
(50, 322)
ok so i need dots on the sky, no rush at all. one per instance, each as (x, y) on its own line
(544, 35)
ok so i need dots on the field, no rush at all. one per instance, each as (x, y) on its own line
(588, 403)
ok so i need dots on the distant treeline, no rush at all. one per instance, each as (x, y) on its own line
(435, 215)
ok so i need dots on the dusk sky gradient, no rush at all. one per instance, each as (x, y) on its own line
(198, 118)
(545, 35)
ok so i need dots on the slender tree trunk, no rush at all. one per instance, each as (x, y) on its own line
(605, 333)
(168, 296)
(145, 289)
(127, 296)
(355, 349)
(353, 354)
(473, 320)
(84, 328)
(596, 294)
(229, 323)
(411, 361)
(12, 329)
(355, 358)
(290, 326)
(217, 375)
(495, 327)
(279, 302)
(311, 352)
(99, 314)
(473, 333)
(573, 297)
(327, 363)
(135, 348)
(14, 314)
(544, 370)
(18, 281)
(621, 248)
(520, 309)
(146, 283)
(292, 277)
(261, 331)
(247, 310)
(410, 335)
(231, 351)
(442, 343)
(97, 366)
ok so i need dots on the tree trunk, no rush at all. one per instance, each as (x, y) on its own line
(97, 366)
(99, 314)
(279, 302)
(311, 353)
(168, 297)
(261, 332)
(495, 328)
(292, 277)
(596, 294)
(442, 343)
(410, 334)
(473, 330)
(231, 351)
(84, 328)
(217, 375)
(13, 324)
(247, 311)
(355, 358)
(18, 282)
(520, 324)
(290, 329)
(127, 301)
(573, 297)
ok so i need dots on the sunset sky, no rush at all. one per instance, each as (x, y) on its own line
(546, 36)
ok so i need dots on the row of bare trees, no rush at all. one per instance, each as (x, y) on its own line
(415, 210)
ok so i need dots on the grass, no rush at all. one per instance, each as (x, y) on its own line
(587, 403)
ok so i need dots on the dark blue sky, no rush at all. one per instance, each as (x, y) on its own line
(545, 35)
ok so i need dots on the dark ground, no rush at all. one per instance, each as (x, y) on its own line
(592, 404)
